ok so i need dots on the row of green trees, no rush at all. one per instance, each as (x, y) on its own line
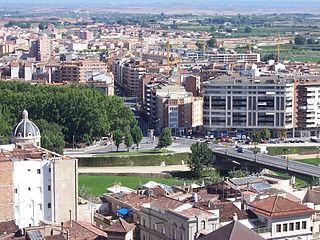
(79, 113)
(128, 137)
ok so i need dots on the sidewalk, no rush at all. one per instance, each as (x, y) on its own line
(134, 169)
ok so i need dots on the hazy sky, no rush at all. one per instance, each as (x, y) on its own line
(297, 5)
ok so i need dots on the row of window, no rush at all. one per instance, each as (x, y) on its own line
(29, 189)
(285, 227)
(39, 170)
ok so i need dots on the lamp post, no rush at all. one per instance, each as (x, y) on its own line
(73, 142)
(318, 157)
(255, 151)
(287, 159)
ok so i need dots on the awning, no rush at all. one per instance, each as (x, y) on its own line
(124, 211)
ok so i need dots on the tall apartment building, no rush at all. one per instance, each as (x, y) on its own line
(15, 70)
(235, 57)
(80, 71)
(172, 106)
(86, 35)
(192, 84)
(39, 184)
(248, 104)
(42, 49)
(128, 74)
(307, 108)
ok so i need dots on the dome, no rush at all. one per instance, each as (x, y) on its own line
(25, 131)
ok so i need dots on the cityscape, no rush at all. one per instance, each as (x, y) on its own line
(159, 120)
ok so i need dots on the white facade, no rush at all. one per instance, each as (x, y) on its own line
(33, 192)
(28, 73)
(14, 72)
(248, 103)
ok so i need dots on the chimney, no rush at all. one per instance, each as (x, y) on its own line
(235, 217)
(70, 219)
(61, 226)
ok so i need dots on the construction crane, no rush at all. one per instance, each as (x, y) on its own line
(283, 38)
(250, 49)
(204, 49)
(168, 57)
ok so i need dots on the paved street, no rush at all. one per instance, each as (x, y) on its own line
(135, 169)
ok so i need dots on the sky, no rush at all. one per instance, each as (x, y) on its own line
(293, 5)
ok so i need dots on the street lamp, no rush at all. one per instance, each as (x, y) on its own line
(318, 157)
(287, 159)
(255, 151)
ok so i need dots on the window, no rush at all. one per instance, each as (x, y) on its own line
(49, 187)
(291, 226)
(49, 205)
(163, 230)
(203, 224)
(49, 169)
(304, 225)
(278, 228)
(29, 188)
(143, 222)
(285, 227)
(28, 170)
(38, 171)
(174, 234)
(297, 225)
(155, 226)
(40, 206)
(15, 190)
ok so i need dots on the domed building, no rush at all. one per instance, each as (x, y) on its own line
(25, 132)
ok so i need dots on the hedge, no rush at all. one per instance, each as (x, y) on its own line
(144, 160)
(290, 150)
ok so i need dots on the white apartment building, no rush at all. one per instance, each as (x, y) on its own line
(249, 103)
(308, 108)
(280, 218)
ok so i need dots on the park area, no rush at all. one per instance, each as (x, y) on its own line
(97, 185)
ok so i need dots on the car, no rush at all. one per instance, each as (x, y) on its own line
(240, 150)
(250, 142)
(175, 138)
(148, 142)
(315, 140)
(156, 147)
(301, 141)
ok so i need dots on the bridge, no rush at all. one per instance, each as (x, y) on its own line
(251, 160)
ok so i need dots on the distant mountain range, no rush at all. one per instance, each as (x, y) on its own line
(220, 5)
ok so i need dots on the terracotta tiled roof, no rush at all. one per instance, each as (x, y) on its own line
(227, 211)
(232, 231)
(81, 230)
(3, 158)
(167, 203)
(278, 206)
(8, 227)
(55, 237)
(192, 212)
(132, 199)
(120, 226)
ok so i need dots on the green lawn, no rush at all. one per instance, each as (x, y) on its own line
(290, 150)
(97, 184)
(135, 152)
(313, 161)
(299, 182)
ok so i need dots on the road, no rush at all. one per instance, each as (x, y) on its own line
(273, 161)
(183, 145)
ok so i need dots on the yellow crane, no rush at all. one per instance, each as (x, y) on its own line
(204, 48)
(250, 49)
(279, 45)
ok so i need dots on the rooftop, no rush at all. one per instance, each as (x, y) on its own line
(277, 206)
(120, 226)
(233, 231)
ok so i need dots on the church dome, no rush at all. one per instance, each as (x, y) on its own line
(25, 130)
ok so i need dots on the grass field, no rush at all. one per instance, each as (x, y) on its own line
(290, 150)
(97, 184)
(313, 161)
(299, 182)
(135, 152)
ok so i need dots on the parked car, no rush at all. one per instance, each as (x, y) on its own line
(250, 142)
(175, 138)
(240, 150)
